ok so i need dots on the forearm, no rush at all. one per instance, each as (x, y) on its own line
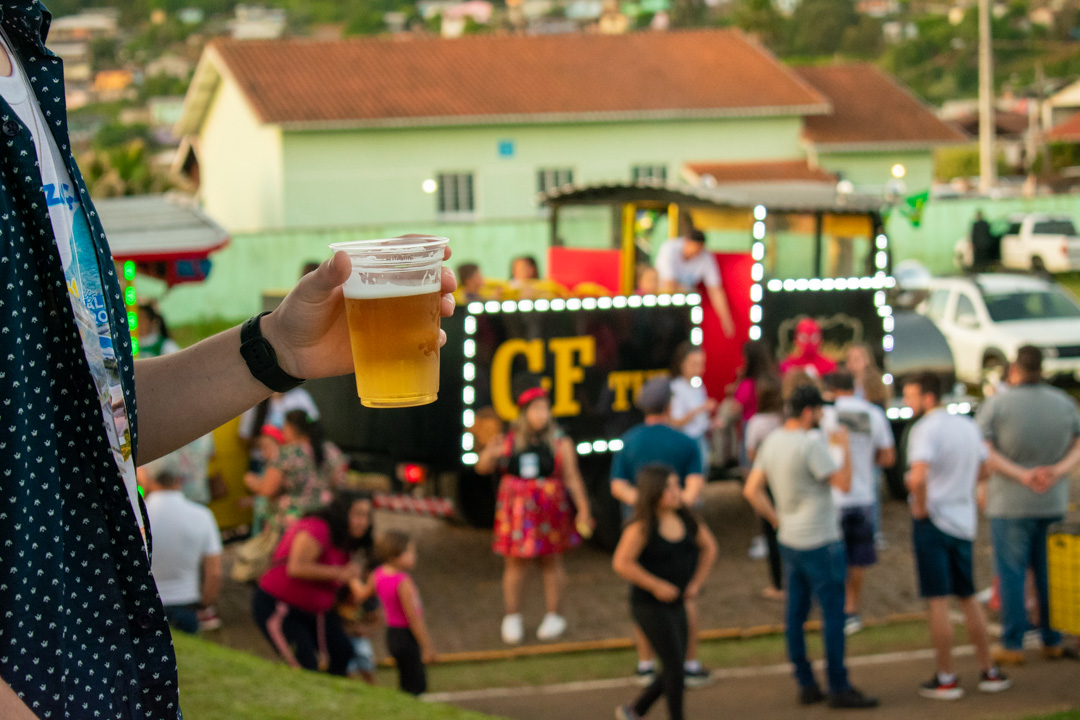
(720, 305)
(639, 576)
(11, 706)
(694, 485)
(1006, 467)
(624, 492)
(1068, 463)
(186, 394)
(211, 588)
(764, 507)
(314, 571)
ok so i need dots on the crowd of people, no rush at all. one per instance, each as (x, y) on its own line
(813, 439)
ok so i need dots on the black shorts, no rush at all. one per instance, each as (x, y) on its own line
(942, 561)
(857, 526)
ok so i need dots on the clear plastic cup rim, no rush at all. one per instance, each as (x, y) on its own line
(423, 242)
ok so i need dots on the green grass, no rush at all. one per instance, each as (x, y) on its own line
(1065, 715)
(568, 667)
(218, 683)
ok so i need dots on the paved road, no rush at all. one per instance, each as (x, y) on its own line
(768, 693)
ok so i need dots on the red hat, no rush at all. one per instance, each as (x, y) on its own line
(273, 433)
(531, 394)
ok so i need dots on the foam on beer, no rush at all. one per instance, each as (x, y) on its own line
(357, 289)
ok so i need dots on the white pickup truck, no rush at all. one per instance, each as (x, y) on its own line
(1033, 241)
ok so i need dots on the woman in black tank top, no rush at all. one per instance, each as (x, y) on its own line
(666, 555)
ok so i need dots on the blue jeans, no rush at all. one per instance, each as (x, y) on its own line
(1020, 543)
(184, 618)
(807, 573)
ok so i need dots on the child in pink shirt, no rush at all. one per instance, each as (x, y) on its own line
(406, 633)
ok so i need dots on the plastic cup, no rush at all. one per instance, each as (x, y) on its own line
(392, 302)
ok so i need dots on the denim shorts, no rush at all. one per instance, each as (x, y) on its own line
(943, 562)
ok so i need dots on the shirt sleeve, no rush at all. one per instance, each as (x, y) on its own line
(1074, 423)
(921, 446)
(665, 261)
(619, 470)
(680, 405)
(710, 271)
(694, 463)
(881, 430)
(820, 460)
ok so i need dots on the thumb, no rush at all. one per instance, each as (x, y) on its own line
(319, 284)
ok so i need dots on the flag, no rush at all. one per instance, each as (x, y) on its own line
(912, 207)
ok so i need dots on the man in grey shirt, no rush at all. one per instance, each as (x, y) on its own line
(795, 463)
(1034, 434)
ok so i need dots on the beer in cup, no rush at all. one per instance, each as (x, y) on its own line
(392, 301)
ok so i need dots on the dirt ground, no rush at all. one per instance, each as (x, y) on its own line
(459, 581)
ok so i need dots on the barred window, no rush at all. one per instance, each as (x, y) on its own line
(548, 178)
(649, 172)
(455, 193)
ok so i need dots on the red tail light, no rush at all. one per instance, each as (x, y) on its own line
(413, 474)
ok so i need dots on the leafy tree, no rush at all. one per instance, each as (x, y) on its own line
(761, 18)
(819, 25)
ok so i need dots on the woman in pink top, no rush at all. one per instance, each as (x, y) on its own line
(315, 559)
(407, 637)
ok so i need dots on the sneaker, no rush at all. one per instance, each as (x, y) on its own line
(852, 625)
(644, 676)
(1004, 656)
(937, 690)
(852, 699)
(626, 712)
(552, 626)
(208, 619)
(810, 695)
(698, 677)
(993, 680)
(512, 629)
(759, 548)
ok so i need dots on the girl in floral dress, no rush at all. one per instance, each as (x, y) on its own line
(303, 475)
(534, 519)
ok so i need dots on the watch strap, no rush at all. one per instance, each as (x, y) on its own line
(261, 359)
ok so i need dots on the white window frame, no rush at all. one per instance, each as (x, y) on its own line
(448, 204)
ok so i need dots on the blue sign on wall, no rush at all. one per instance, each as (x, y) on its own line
(506, 148)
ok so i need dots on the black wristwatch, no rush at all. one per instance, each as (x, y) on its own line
(261, 359)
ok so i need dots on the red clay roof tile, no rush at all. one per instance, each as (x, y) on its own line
(1068, 131)
(763, 171)
(497, 78)
(870, 108)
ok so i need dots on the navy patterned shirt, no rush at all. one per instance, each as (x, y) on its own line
(82, 631)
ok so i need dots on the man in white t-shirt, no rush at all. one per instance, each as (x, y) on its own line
(683, 263)
(872, 446)
(947, 457)
(187, 545)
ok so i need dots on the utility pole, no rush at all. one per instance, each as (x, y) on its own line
(987, 161)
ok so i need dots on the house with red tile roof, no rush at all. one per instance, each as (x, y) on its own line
(875, 123)
(301, 139)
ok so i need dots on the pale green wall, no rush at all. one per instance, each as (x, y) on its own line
(946, 221)
(253, 263)
(875, 169)
(240, 165)
(374, 176)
